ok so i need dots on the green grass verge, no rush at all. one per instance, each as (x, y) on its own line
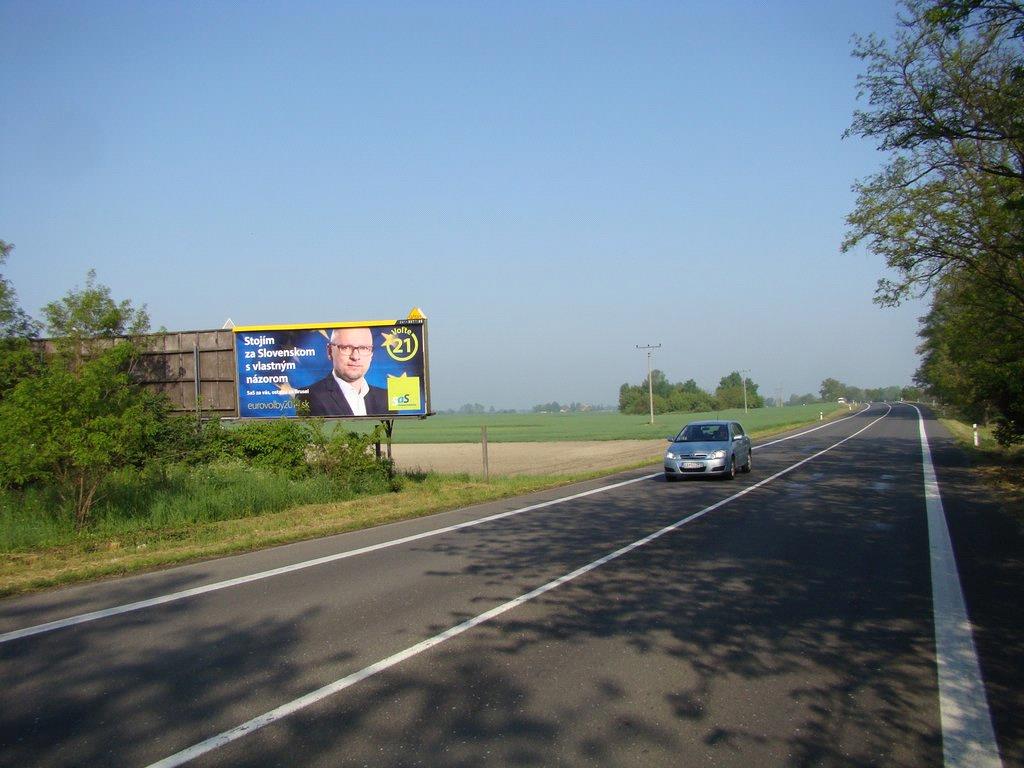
(131, 505)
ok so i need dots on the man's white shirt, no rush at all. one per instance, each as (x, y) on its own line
(354, 395)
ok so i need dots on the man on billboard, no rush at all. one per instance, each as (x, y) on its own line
(345, 391)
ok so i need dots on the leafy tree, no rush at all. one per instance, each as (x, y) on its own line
(687, 401)
(17, 358)
(76, 426)
(686, 397)
(87, 319)
(690, 387)
(14, 323)
(74, 419)
(659, 383)
(729, 393)
(90, 312)
(633, 399)
(977, 367)
(946, 100)
(831, 390)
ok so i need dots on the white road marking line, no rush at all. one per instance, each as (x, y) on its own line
(94, 615)
(968, 738)
(289, 708)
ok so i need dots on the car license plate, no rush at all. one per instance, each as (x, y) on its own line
(692, 465)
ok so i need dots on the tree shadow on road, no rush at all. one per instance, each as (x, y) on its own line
(789, 627)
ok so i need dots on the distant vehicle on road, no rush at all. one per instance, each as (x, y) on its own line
(718, 448)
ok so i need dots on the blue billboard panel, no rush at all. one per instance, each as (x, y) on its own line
(375, 369)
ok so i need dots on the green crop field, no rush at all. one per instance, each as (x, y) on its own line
(603, 425)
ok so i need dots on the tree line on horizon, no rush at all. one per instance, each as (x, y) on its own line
(945, 100)
(833, 389)
(687, 396)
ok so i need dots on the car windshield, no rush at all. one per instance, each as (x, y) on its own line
(703, 433)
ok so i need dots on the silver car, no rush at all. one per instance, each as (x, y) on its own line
(717, 448)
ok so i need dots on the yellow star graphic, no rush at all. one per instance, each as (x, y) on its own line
(390, 340)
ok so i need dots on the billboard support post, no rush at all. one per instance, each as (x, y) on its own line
(389, 428)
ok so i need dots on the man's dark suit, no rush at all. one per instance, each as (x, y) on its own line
(325, 399)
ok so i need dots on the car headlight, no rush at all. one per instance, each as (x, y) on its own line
(670, 455)
(717, 455)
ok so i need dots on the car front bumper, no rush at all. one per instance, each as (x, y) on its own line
(695, 466)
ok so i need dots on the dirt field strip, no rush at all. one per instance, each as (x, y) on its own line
(526, 458)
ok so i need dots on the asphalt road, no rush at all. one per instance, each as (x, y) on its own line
(791, 622)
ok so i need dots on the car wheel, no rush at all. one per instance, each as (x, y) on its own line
(669, 478)
(730, 472)
(750, 462)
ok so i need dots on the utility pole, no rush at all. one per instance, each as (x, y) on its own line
(650, 384)
(744, 379)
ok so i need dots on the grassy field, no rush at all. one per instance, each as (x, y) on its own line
(601, 425)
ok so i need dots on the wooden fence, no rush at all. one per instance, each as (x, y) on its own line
(193, 369)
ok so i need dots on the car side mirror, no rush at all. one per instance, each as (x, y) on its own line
(738, 437)
(670, 439)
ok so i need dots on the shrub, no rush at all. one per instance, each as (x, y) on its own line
(278, 444)
(348, 458)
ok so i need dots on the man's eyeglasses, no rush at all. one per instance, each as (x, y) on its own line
(349, 349)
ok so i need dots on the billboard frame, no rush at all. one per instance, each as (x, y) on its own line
(415, 318)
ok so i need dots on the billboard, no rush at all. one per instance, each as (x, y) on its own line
(372, 369)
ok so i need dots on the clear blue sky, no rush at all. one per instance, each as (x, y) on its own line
(552, 183)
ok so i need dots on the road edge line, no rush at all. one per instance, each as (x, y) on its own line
(968, 737)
